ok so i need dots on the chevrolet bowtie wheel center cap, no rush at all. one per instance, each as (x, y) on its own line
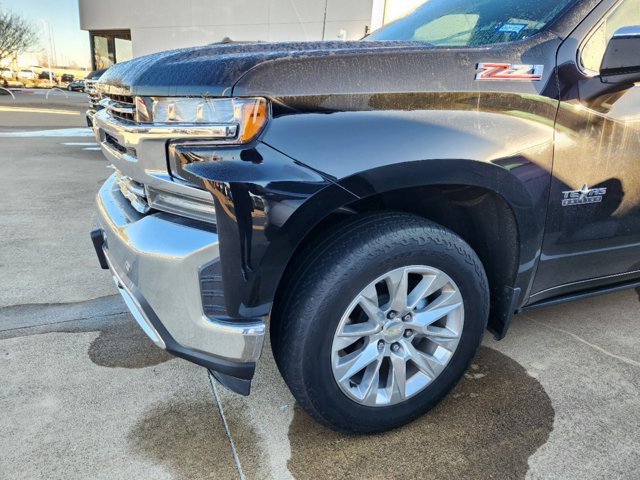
(393, 331)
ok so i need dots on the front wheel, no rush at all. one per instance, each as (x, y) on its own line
(383, 319)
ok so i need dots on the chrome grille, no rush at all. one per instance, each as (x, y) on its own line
(146, 191)
(94, 95)
(94, 101)
(120, 106)
(134, 192)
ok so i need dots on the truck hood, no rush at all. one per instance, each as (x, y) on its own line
(214, 70)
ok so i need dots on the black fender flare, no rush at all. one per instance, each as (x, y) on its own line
(520, 190)
(514, 185)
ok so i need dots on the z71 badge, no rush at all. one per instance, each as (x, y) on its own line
(507, 71)
(584, 196)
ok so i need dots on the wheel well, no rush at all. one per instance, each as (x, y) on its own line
(480, 216)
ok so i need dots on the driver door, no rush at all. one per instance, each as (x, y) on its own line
(593, 228)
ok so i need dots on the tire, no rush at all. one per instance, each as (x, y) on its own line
(333, 275)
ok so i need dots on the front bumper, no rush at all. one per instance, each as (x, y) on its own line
(156, 260)
(89, 117)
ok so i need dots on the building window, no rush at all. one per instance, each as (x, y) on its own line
(109, 47)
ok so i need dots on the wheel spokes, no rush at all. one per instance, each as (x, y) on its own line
(369, 383)
(398, 385)
(380, 359)
(443, 337)
(397, 283)
(357, 361)
(353, 332)
(359, 330)
(444, 305)
(425, 363)
(429, 285)
(368, 301)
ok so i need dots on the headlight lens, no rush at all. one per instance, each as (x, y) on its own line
(249, 115)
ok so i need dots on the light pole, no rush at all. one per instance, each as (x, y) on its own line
(54, 47)
(47, 32)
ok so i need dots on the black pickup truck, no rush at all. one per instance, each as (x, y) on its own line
(376, 204)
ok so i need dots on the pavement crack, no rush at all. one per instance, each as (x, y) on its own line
(236, 458)
(47, 305)
(62, 322)
(17, 317)
(620, 358)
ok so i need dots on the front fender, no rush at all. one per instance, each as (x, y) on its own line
(375, 143)
(266, 203)
(307, 166)
(521, 183)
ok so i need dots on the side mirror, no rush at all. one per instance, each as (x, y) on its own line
(621, 62)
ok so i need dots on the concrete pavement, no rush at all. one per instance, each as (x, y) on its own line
(94, 399)
(48, 186)
(85, 395)
(553, 400)
(34, 108)
(559, 398)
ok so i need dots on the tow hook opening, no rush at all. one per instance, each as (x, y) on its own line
(97, 237)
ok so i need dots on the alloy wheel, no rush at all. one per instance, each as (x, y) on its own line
(397, 336)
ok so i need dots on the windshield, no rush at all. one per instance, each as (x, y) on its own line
(465, 23)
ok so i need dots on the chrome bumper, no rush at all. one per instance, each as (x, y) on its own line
(156, 260)
(89, 116)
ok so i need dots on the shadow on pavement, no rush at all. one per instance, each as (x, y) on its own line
(186, 436)
(488, 427)
(124, 345)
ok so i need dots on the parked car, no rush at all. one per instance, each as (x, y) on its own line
(381, 202)
(67, 78)
(7, 73)
(27, 74)
(47, 75)
(76, 86)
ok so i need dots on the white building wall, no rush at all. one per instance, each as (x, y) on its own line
(395, 9)
(157, 25)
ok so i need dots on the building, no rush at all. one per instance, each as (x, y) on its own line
(122, 29)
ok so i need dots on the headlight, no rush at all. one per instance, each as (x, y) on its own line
(246, 116)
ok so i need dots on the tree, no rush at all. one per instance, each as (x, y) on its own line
(16, 34)
(43, 59)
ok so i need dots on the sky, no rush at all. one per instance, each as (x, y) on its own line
(71, 43)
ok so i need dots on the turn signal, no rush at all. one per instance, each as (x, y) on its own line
(254, 118)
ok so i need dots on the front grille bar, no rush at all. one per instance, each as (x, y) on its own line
(120, 106)
(117, 107)
(134, 192)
